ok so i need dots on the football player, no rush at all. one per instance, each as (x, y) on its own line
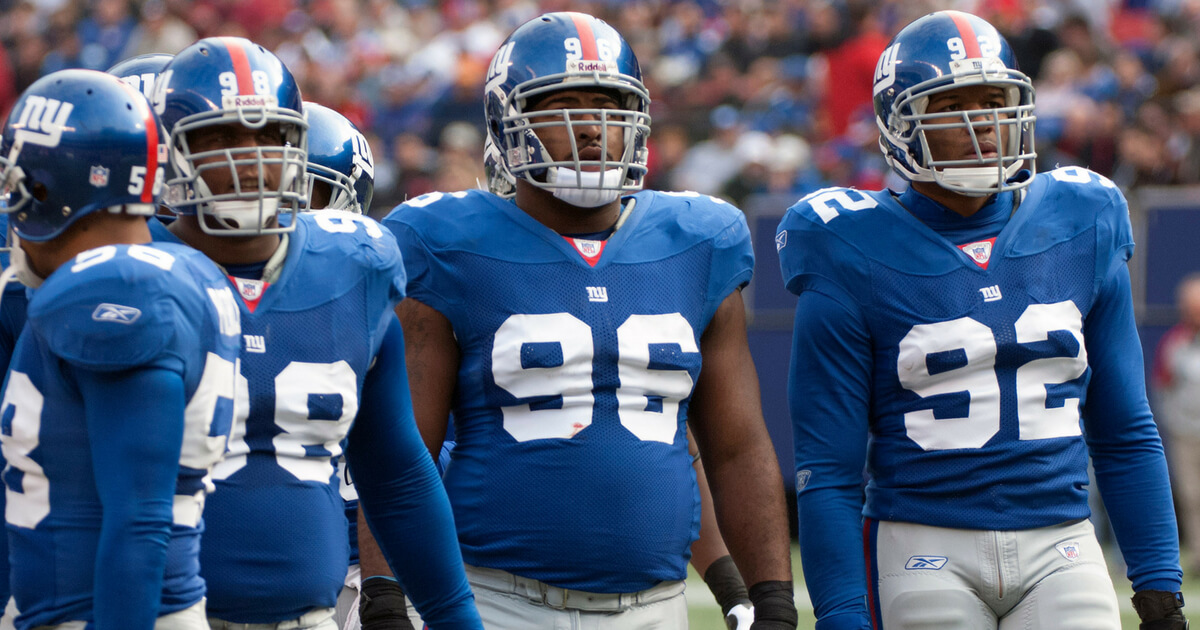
(120, 392)
(710, 557)
(323, 363)
(969, 342)
(566, 329)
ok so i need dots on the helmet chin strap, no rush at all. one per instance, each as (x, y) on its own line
(251, 214)
(19, 265)
(584, 188)
(975, 181)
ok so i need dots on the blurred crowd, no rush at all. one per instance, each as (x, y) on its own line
(749, 96)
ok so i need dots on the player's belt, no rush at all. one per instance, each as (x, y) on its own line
(563, 598)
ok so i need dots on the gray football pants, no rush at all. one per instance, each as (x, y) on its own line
(1051, 578)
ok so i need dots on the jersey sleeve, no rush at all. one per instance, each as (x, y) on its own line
(135, 423)
(829, 395)
(392, 277)
(113, 315)
(418, 260)
(733, 259)
(402, 495)
(813, 257)
(829, 398)
(673, 221)
(1114, 232)
(387, 260)
(1127, 452)
(350, 246)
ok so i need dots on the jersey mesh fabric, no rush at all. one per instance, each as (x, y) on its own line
(602, 510)
(277, 545)
(1006, 477)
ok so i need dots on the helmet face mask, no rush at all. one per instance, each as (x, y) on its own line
(555, 53)
(226, 82)
(938, 54)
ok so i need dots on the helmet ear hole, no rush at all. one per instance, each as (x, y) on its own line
(321, 194)
(39, 191)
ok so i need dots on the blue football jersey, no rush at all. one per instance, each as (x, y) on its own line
(275, 545)
(978, 374)
(571, 462)
(110, 309)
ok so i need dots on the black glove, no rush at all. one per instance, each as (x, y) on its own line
(381, 605)
(727, 587)
(774, 606)
(1160, 610)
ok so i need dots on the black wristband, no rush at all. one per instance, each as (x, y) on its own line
(774, 605)
(382, 604)
(726, 584)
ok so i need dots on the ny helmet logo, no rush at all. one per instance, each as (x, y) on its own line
(42, 122)
(885, 70)
(362, 155)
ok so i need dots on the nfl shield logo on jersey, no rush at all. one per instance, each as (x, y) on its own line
(1069, 550)
(587, 247)
(251, 290)
(979, 251)
(802, 477)
(98, 177)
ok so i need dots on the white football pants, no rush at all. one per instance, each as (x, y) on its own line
(1052, 578)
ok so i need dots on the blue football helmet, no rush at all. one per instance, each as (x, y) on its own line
(221, 81)
(940, 52)
(141, 71)
(339, 159)
(79, 141)
(558, 51)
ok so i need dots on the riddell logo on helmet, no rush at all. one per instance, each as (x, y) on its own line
(587, 65)
(231, 101)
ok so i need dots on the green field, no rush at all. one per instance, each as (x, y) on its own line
(704, 614)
